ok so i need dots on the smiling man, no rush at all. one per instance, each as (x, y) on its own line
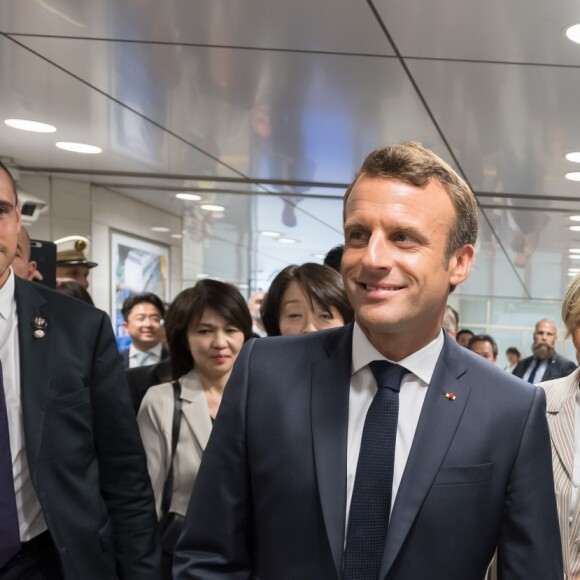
(382, 449)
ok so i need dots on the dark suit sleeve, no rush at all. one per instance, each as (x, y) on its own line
(216, 540)
(529, 544)
(124, 481)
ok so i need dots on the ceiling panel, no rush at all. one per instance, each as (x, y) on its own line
(324, 25)
(514, 31)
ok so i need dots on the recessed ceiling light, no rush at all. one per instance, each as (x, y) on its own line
(26, 125)
(160, 229)
(574, 250)
(573, 176)
(211, 207)
(79, 147)
(287, 240)
(176, 236)
(574, 270)
(574, 156)
(573, 33)
(574, 256)
(243, 286)
(574, 228)
(270, 234)
(188, 196)
(575, 218)
(202, 276)
(319, 256)
(571, 274)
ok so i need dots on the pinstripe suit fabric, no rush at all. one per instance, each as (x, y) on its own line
(561, 412)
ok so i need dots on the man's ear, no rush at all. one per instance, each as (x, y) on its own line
(460, 264)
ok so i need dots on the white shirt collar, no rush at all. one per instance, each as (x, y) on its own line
(156, 350)
(7, 297)
(421, 363)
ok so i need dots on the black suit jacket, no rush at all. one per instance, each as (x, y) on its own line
(84, 452)
(270, 497)
(557, 368)
(140, 379)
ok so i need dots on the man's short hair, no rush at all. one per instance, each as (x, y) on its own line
(413, 164)
(484, 338)
(333, 258)
(450, 320)
(11, 179)
(513, 350)
(147, 297)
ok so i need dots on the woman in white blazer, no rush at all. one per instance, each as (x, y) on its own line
(206, 327)
(563, 410)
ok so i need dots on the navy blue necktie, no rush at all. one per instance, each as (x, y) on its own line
(536, 363)
(9, 533)
(371, 497)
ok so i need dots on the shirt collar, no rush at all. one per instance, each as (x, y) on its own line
(421, 363)
(156, 350)
(7, 297)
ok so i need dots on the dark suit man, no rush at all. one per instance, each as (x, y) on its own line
(278, 495)
(84, 502)
(139, 379)
(545, 364)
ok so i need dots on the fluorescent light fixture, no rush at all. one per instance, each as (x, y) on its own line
(573, 33)
(79, 147)
(319, 256)
(574, 270)
(575, 218)
(574, 156)
(574, 250)
(573, 176)
(176, 236)
(287, 240)
(161, 229)
(211, 207)
(202, 276)
(243, 286)
(574, 228)
(270, 234)
(571, 274)
(188, 196)
(26, 125)
(574, 256)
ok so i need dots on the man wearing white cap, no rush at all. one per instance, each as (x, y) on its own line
(71, 261)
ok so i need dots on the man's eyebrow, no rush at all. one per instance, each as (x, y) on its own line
(4, 203)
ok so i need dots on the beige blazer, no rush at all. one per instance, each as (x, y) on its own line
(561, 411)
(155, 420)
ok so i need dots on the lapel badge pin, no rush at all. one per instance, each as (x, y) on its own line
(39, 325)
(450, 396)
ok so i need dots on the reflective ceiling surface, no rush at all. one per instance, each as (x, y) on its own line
(268, 108)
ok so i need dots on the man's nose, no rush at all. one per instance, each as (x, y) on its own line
(379, 253)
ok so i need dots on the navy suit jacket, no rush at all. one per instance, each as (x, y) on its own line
(269, 500)
(84, 452)
(557, 368)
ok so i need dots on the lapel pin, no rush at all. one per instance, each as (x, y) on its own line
(450, 396)
(39, 324)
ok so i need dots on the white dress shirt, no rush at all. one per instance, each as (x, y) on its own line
(154, 356)
(542, 366)
(363, 388)
(30, 518)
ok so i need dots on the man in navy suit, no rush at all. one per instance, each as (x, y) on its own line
(75, 496)
(545, 364)
(277, 495)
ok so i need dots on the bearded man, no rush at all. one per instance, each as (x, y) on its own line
(545, 364)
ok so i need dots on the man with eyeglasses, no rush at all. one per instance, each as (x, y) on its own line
(143, 320)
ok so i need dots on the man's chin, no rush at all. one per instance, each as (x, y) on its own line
(543, 352)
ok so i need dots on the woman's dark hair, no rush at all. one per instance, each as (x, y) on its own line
(322, 285)
(75, 290)
(188, 308)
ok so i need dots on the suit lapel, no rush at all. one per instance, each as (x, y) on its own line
(561, 411)
(195, 411)
(34, 363)
(438, 422)
(330, 396)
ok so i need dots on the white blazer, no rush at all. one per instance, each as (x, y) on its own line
(155, 420)
(561, 412)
